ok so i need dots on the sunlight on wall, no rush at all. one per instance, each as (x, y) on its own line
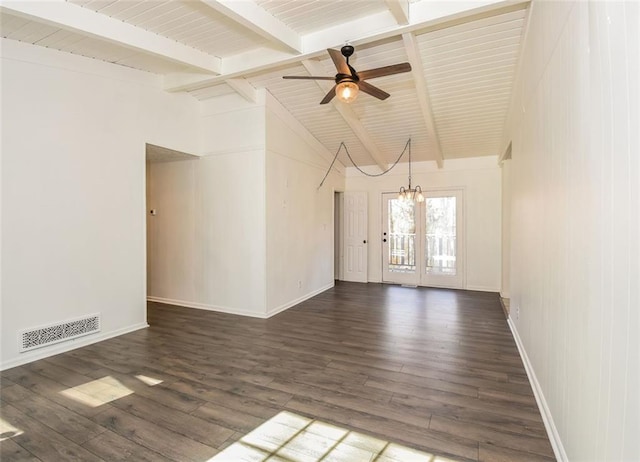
(97, 392)
(8, 431)
(293, 438)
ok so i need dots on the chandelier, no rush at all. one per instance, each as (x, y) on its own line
(409, 193)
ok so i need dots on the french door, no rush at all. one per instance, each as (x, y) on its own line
(422, 242)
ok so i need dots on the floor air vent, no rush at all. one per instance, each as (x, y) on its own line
(48, 335)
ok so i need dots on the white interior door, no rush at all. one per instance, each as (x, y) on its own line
(422, 243)
(355, 236)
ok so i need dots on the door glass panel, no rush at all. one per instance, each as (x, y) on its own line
(440, 246)
(402, 236)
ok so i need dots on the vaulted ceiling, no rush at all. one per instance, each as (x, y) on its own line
(453, 104)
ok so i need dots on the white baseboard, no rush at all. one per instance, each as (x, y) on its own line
(482, 288)
(224, 309)
(552, 431)
(288, 305)
(204, 306)
(42, 353)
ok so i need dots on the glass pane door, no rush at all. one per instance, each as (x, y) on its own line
(422, 243)
(442, 239)
(400, 243)
(440, 225)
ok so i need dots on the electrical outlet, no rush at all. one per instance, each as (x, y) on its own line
(299, 284)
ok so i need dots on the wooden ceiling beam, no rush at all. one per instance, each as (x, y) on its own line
(417, 70)
(74, 18)
(400, 10)
(425, 16)
(250, 15)
(244, 89)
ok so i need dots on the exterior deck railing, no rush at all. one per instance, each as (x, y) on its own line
(440, 251)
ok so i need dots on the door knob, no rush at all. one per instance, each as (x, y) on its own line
(384, 240)
(364, 242)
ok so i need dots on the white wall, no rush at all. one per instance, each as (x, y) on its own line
(575, 278)
(73, 188)
(300, 229)
(208, 238)
(506, 229)
(243, 229)
(480, 180)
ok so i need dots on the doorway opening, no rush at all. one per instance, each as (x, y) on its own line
(163, 206)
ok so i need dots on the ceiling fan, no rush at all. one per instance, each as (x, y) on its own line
(348, 81)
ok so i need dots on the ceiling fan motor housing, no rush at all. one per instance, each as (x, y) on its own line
(347, 78)
(347, 51)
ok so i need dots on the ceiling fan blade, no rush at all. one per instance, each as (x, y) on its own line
(339, 61)
(386, 70)
(329, 96)
(307, 77)
(373, 91)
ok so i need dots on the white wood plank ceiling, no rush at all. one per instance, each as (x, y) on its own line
(452, 104)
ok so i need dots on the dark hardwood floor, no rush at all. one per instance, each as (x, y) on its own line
(373, 369)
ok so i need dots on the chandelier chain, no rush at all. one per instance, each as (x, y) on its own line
(407, 145)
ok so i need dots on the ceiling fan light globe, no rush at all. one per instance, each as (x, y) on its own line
(347, 91)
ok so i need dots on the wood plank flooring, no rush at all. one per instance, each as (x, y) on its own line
(430, 369)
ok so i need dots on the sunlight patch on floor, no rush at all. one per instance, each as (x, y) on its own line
(97, 392)
(148, 380)
(289, 437)
(7, 430)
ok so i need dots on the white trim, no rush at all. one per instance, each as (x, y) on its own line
(547, 418)
(207, 307)
(292, 303)
(70, 345)
(225, 309)
(483, 289)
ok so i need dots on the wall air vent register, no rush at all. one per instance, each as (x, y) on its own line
(56, 333)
